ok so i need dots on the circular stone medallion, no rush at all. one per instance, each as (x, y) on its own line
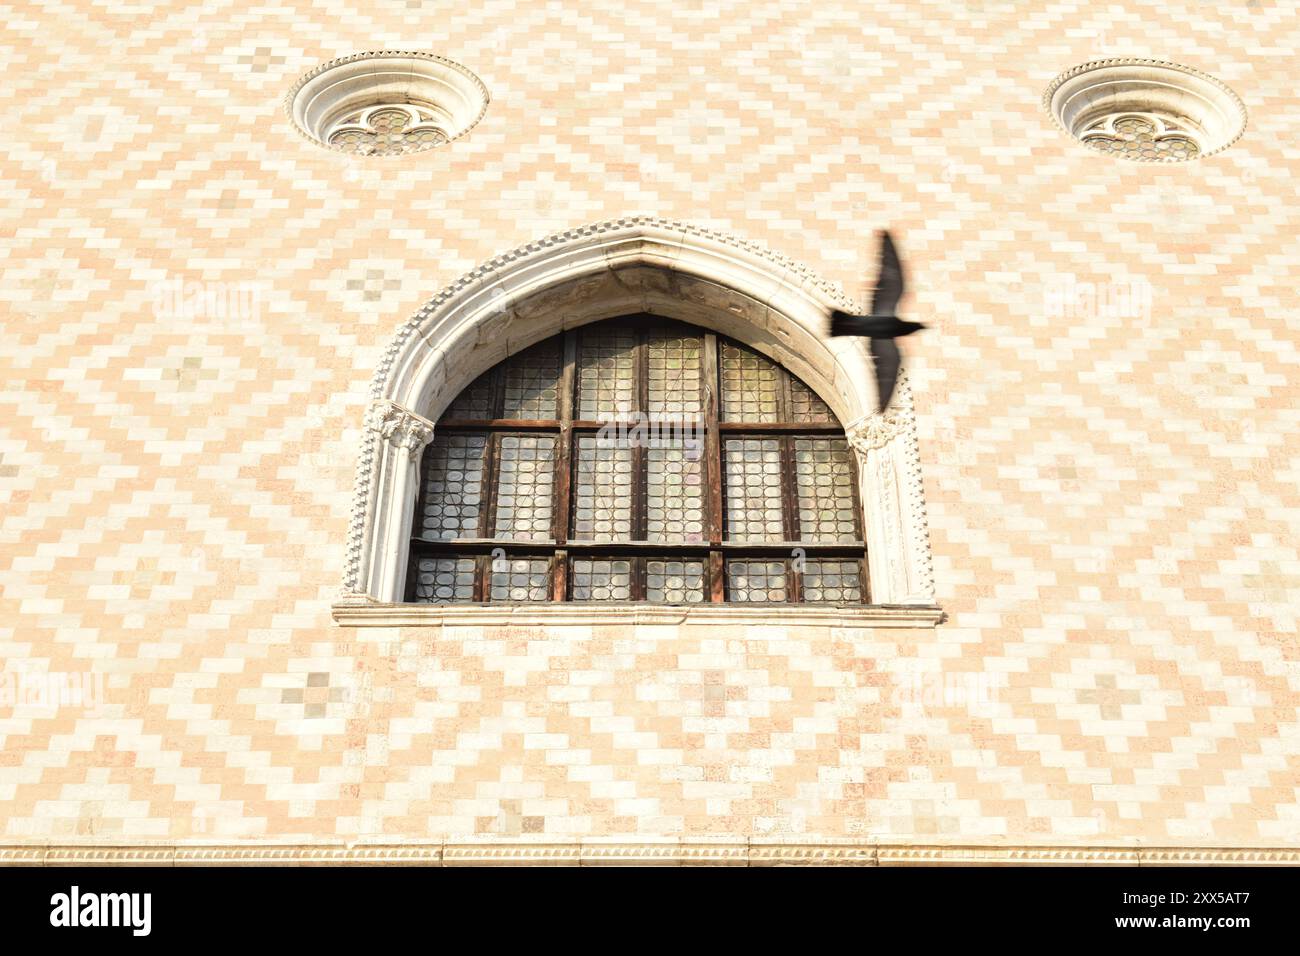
(386, 104)
(1146, 110)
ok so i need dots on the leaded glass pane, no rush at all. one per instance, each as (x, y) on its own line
(532, 382)
(438, 580)
(824, 485)
(675, 492)
(826, 580)
(520, 579)
(756, 581)
(453, 486)
(751, 469)
(805, 405)
(674, 582)
(759, 486)
(602, 579)
(527, 473)
(602, 496)
(751, 385)
(606, 373)
(477, 402)
(673, 359)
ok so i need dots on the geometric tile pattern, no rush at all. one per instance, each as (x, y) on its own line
(193, 300)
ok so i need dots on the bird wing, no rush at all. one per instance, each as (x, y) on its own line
(889, 283)
(846, 323)
(885, 353)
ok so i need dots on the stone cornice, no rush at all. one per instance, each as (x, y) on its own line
(739, 851)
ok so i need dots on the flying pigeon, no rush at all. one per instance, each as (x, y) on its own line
(881, 325)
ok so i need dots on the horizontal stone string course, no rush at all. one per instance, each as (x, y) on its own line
(660, 852)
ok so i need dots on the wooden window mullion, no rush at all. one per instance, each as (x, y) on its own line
(562, 503)
(716, 578)
(641, 382)
(637, 578)
(789, 486)
(790, 509)
(488, 511)
(714, 571)
(488, 496)
(560, 575)
(483, 578)
(640, 427)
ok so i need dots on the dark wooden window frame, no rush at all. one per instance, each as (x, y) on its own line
(714, 552)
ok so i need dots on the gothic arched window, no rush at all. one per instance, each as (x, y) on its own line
(638, 459)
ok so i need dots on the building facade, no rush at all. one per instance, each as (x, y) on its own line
(422, 441)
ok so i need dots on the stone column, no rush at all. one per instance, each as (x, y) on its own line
(394, 440)
(893, 500)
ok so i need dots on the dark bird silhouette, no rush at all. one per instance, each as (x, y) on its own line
(881, 325)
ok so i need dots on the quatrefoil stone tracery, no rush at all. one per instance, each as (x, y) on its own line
(1144, 137)
(388, 129)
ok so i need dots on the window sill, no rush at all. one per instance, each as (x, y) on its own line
(362, 612)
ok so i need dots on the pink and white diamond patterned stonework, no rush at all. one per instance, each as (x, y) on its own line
(1095, 502)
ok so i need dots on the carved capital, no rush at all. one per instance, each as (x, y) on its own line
(879, 429)
(876, 431)
(400, 427)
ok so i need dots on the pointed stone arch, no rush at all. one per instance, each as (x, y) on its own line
(674, 269)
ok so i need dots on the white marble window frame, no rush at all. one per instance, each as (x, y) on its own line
(600, 271)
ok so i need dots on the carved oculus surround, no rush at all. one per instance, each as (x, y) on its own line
(1147, 111)
(386, 103)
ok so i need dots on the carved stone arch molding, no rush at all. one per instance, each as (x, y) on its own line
(674, 269)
